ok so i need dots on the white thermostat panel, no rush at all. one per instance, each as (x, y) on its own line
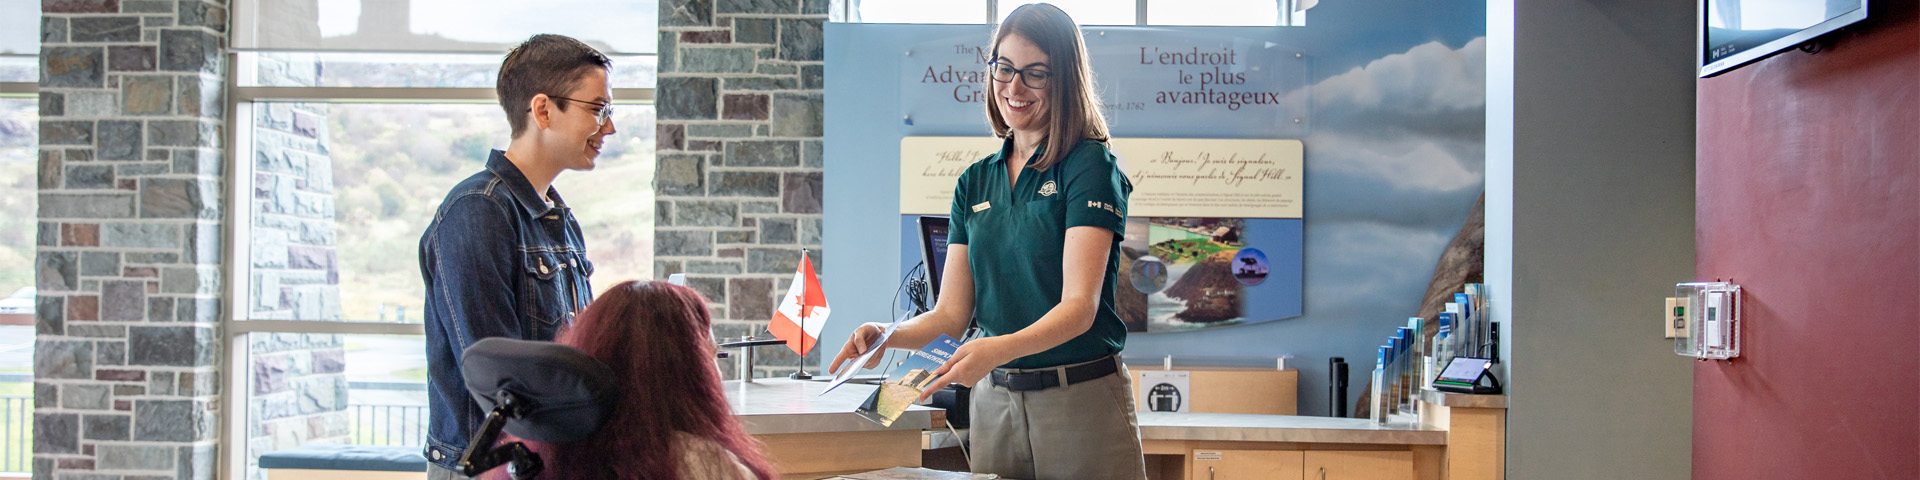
(1704, 320)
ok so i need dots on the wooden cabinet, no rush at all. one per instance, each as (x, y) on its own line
(1245, 465)
(1209, 464)
(1358, 465)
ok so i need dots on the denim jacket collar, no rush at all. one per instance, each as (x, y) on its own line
(520, 188)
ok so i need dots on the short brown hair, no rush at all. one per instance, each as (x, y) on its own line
(544, 64)
(1075, 112)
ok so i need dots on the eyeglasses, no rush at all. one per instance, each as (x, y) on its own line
(600, 116)
(1034, 77)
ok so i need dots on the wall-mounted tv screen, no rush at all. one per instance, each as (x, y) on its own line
(1739, 32)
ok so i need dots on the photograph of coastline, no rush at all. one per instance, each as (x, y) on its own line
(1201, 290)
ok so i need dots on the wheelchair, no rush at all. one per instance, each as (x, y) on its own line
(537, 391)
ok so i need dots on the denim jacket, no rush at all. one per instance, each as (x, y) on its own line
(498, 262)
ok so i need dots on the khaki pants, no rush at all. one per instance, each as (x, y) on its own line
(434, 472)
(1085, 430)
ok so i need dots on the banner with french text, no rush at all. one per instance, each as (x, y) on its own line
(1172, 177)
(1214, 224)
(1147, 76)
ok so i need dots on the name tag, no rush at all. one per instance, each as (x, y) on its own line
(981, 206)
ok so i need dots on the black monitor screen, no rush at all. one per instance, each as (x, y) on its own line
(933, 250)
(1742, 31)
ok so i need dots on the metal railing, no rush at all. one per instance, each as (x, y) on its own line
(16, 433)
(404, 425)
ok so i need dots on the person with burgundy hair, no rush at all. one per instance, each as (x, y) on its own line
(672, 421)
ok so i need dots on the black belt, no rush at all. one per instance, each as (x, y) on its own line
(1049, 378)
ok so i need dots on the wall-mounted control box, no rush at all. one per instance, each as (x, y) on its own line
(1676, 317)
(1708, 320)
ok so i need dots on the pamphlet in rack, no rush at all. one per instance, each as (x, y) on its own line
(907, 381)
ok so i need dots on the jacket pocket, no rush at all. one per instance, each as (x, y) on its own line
(546, 292)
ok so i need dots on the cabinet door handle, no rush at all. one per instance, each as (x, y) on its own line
(1323, 473)
(1209, 473)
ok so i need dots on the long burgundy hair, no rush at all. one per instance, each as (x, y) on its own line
(654, 336)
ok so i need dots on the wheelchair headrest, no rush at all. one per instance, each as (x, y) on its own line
(567, 394)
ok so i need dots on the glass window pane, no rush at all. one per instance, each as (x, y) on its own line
(472, 70)
(19, 27)
(1084, 12)
(443, 25)
(333, 388)
(16, 400)
(1257, 13)
(19, 151)
(343, 193)
(922, 11)
(19, 69)
(614, 202)
(19, 127)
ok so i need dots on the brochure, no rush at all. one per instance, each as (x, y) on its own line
(907, 381)
(847, 369)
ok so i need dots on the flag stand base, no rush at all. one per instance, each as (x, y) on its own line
(801, 375)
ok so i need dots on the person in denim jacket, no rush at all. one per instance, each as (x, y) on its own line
(504, 256)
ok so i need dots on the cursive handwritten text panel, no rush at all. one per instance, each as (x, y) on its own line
(1172, 177)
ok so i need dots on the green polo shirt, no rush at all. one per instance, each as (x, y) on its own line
(1016, 235)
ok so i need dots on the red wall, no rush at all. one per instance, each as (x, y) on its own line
(1809, 197)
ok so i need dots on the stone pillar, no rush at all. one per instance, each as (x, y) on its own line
(128, 268)
(739, 102)
(298, 391)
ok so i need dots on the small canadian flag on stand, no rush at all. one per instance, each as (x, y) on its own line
(802, 311)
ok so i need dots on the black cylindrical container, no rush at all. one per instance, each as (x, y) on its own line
(1337, 385)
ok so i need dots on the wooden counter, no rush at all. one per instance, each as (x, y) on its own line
(1458, 437)
(808, 435)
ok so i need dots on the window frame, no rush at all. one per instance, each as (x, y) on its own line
(235, 231)
(1288, 17)
(21, 89)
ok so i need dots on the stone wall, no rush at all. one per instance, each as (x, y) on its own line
(298, 395)
(739, 102)
(295, 274)
(299, 386)
(125, 362)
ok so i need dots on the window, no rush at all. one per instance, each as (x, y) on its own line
(19, 227)
(19, 139)
(921, 11)
(1087, 12)
(343, 150)
(342, 192)
(338, 194)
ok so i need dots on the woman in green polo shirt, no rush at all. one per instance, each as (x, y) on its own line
(1033, 256)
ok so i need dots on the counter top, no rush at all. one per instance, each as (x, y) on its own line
(1463, 400)
(1283, 428)
(780, 405)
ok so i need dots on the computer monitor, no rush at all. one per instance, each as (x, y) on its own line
(933, 250)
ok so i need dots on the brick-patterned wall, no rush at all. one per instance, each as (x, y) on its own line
(739, 102)
(125, 362)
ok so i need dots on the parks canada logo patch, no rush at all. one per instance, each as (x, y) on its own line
(1047, 189)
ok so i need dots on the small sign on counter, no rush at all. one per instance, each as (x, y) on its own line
(1166, 391)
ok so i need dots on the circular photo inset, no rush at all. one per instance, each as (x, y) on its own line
(1250, 266)
(1148, 275)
